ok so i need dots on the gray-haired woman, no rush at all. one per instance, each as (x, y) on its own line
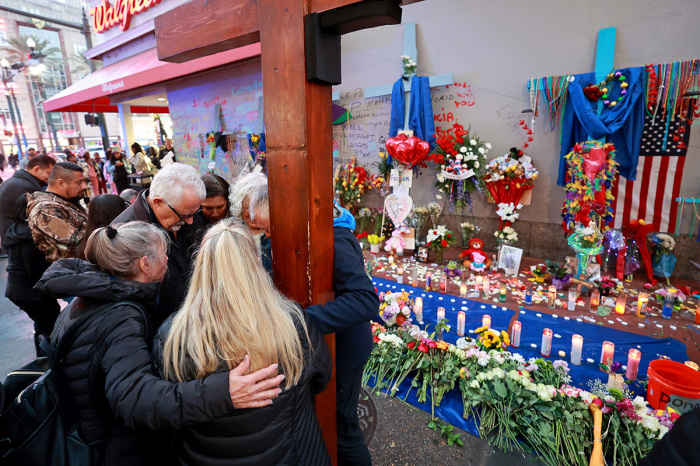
(108, 368)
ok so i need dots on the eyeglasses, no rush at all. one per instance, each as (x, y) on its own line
(184, 218)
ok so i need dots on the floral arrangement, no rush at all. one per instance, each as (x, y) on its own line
(506, 235)
(461, 159)
(409, 65)
(507, 213)
(490, 339)
(540, 270)
(256, 147)
(663, 244)
(439, 239)
(663, 260)
(590, 236)
(512, 166)
(605, 285)
(556, 269)
(589, 192)
(419, 215)
(518, 403)
(363, 216)
(350, 184)
(468, 230)
(395, 308)
(678, 295)
(374, 239)
(434, 210)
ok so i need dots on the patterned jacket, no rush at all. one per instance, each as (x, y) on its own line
(57, 224)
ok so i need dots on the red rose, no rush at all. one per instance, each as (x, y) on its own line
(400, 319)
(376, 339)
(411, 345)
(422, 348)
(432, 344)
(598, 402)
(429, 243)
(444, 243)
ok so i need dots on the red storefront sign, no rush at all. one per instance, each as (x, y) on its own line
(105, 16)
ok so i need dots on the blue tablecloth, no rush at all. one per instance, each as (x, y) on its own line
(563, 326)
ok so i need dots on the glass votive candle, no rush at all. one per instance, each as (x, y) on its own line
(608, 353)
(486, 321)
(642, 302)
(463, 289)
(486, 287)
(515, 334)
(571, 302)
(546, 348)
(633, 358)
(503, 291)
(418, 309)
(551, 296)
(440, 318)
(595, 300)
(399, 276)
(461, 323)
(576, 349)
(620, 303)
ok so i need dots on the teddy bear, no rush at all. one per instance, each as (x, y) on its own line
(475, 247)
(396, 242)
(477, 264)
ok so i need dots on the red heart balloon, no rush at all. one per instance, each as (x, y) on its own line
(403, 153)
(422, 150)
(392, 143)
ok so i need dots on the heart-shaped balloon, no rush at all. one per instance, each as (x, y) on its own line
(593, 162)
(392, 143)
(398, 208)
(422, 150)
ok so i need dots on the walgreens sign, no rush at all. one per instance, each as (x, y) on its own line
(105, 16)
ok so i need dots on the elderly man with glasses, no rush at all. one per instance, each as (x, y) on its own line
(172, 201)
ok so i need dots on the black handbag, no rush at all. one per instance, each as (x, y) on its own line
(39, 425)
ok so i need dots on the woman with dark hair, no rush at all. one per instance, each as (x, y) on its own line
(101, 211)
(215, 206)
(117, 167)
(138, 160)
(108, 176)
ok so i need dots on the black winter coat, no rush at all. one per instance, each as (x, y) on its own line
(110, 373)
(180, 255)
(284, 433)
(21, 183)
(355, 303)
(26, 263)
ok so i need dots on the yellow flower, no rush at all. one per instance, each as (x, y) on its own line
(345, 183)
(480, 329)
(442, 345)
(462, 373)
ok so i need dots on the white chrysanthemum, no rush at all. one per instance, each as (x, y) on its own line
(463, 150)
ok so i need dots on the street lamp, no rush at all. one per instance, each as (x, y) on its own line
(7, 76)
(35, 70)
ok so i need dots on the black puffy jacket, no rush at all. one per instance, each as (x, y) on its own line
(110, 373)
(21, 183)
(283, 433)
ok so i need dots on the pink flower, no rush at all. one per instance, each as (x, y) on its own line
(432, 344)
(422, 348)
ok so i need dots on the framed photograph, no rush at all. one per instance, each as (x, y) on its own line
(509, 259)
(422, 254)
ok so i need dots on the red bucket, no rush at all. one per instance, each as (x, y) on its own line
(674, 384)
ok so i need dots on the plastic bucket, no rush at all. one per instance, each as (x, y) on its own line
(674, 384)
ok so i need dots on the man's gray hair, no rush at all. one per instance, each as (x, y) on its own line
(173, 179)
(260, 203)
(244, 187)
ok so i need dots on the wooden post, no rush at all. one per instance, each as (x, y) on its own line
(300, 169)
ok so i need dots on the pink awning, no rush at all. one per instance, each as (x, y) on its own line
(91, 94)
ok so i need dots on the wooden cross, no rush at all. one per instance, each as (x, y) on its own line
(298, 133)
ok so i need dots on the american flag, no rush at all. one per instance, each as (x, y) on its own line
(652, 196)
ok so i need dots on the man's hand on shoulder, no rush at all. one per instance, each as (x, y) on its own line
(254, 390)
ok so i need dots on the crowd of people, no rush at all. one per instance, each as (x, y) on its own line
(193, 356)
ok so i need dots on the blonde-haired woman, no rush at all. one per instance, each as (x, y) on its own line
(232, 311)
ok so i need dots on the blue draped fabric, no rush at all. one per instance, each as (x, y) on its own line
(622, 124)
(420, 115)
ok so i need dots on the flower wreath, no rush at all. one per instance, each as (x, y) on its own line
(586, 196)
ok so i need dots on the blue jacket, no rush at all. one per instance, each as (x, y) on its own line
(355, 304)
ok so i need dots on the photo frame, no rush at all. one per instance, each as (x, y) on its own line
(422, 254)
(509, 259)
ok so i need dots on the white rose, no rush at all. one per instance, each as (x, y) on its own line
(488, 145)
(472, 142)
(482, 150)
(463, 150)
(459, 157)
(476, 164)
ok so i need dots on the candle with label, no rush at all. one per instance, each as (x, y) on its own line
(642, 302)
(440, 318)
(595, 300)
(607, 354)
(633, 358)
(546, 348)
(576, 349)
(551, 296)
(463, 289)
(486, 321)
(443, 283)
(390, 259)
(486, 286)
(461, 323)
(620, 303)
(528, 294)
(502, 292)
(515, 334)
(414, 277)
(571, 304)
(399, 276)
(428, 280)
(667, 310)
(418, 309)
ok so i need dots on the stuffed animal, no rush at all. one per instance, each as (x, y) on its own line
(468, 256)
(477, 265)
(396, 242)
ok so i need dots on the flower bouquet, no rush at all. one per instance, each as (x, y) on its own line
(468, 230)
(350, 185)
(395, 308)
(434, 211)
(509, 176)
(540, 272)
(374, 242)
(363, 216)
(506, 236)
(461, 159)
(419, 215)
(606, 284)
(663, 260)
(490, 339)
(678, 296)
(256, 147)
(439, 239)
(560, 274)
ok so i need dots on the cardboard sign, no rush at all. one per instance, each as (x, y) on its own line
(403, 178)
